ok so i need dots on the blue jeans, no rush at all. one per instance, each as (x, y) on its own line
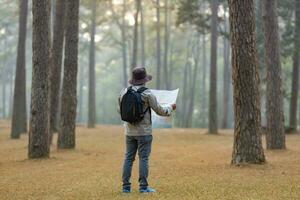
(142, 144)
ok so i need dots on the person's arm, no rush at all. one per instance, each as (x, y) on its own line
(119, 104)
(158, 108)
(119, 100)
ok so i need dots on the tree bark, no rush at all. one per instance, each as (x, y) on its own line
(66, 136)
(40, 104)
(213, 119)
(56, 65)
(247, 147)
(158, 47)
(135, 34)
(19, 118)
(275, 136)
(92, 86)
(296, 63)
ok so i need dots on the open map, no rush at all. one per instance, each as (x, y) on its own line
(164, 97)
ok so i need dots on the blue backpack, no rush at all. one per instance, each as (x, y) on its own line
(131, 107)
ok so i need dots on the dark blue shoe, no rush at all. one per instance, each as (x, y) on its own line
(126, 190)
(147, 190)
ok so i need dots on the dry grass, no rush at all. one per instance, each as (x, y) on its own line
(185, 164)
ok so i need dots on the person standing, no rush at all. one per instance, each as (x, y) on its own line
(135, 104)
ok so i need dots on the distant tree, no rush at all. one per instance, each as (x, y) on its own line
(80, 93)
(189, 11)
(226, 79)
(203, 83)
(122, 27)
(135, 34)
(213, 119)
(39, 113)
(143, 39)
(193, 81)
(166, 45)
(183, 108)
(247, 147)
(158, 47)
(275, 136)
(4, 83)
(66, 136)
(92, 84)
(56, 64)
(296, 63)
(19, 117)
(124, 46)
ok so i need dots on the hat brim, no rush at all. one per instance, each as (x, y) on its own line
(141, 81)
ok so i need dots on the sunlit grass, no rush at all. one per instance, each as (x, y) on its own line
(185, 164)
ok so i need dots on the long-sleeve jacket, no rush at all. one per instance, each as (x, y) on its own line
(145, 126)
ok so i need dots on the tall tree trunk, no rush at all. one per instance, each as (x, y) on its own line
(3, 97)
(193, 83)
(124, 46)
(122, 27)
(204, 92)
(247, 146)
(56, 65)
(186, 100)
(183, 104)
(39, 119)
(143, 56)
(275, 136)
(10, 95)
(19, 118)
(296, 63)
(80, 95)
(66, 136)
(135, 34)
(226, 81)
(213, 120)
(171, 61)
(166, 53)
(92, 86)
(158, 49)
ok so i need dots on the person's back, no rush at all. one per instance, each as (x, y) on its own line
(139, 135)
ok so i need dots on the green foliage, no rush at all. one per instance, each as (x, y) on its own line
(286, 11)
(190, 12)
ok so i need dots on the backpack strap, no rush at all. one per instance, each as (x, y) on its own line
(142, 89)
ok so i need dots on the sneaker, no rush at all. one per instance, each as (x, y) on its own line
(147, 190)
(126, 190)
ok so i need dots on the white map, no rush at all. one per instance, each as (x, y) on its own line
(164, 97)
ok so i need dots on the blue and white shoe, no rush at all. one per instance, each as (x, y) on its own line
(126, 190)
(147, 190)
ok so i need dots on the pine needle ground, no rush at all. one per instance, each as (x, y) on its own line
(185, 164)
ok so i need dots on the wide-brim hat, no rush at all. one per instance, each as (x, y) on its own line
(139, 76)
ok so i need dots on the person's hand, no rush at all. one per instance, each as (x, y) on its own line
(173, 106)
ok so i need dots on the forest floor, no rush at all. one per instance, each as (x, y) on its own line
(185, 164)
